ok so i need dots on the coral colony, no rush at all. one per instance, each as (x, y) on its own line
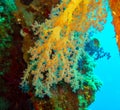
(51, 53)
(56, 56)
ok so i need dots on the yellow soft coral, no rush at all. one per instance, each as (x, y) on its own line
(54, 56)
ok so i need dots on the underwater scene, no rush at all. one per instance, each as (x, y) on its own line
(59, 54)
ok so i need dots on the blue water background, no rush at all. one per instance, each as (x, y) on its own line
(108, 98)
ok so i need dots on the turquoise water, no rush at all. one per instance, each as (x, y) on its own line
(108, 98)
